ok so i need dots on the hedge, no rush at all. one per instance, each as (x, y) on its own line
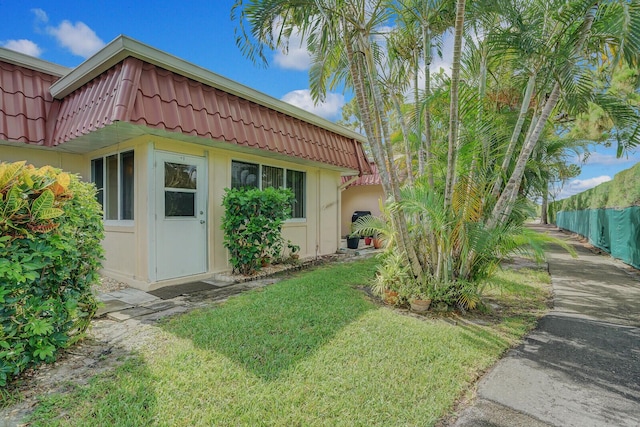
(50, 252)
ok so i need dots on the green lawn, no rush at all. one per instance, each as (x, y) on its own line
(310, 350)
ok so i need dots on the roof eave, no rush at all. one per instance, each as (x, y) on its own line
(123, 47)
(32, 63)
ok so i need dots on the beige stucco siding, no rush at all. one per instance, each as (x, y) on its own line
(329, 196)
(39, 157)
(359, 198)
(131, 247)
(124, 243)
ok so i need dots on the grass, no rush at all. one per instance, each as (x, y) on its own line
(311, 351)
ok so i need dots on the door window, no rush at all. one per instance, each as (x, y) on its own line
(180, 185)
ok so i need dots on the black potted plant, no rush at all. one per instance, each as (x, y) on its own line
(353, 240)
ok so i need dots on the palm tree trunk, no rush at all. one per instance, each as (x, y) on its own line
(426, 41)
(545, 205)
(453, 106)
(504, 205)
(482, 89)
(398, 219)
(374, 127)
(416, 106)
(524, 108)
(405, 138)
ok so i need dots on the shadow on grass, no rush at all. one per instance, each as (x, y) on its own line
(483, 340)
(271, 330)
(123, 397)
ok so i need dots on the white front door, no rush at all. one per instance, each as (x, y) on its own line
(181, 215)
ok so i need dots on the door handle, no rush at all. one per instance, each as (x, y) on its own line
(202, 221)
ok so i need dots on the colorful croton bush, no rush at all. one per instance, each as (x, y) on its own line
(50, 253)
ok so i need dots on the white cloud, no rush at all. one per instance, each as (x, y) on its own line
(23, 46)
(446, 48)
(595, 158)
(296, 57)
(579, 185)
(41, 16)
(328, 109)
(78, 38)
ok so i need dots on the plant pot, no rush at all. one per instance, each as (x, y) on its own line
(367, 240)
(420, 305)
(390, 297)
(353, 242)
(266, 262)
(295, 256)
(377, 243)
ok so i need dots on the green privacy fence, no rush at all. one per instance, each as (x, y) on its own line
(621, 192)
(608, 215)
(616, 231)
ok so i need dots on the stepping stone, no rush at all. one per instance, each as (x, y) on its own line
(157, 315)
(159, 306)
(132, 296)
(112, 305)
(105, 297)
(129, 313)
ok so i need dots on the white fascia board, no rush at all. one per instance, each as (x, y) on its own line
(123, 47)
(32, 63)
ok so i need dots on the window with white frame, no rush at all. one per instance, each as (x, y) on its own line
(113, 177)
(244, 174)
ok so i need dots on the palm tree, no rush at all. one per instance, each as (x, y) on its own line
(551, 162)
(547, 46)
(570, 66)
(423, 22)
(454, 106)
(341, 35)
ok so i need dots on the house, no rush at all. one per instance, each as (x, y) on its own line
(162, 138)
(361, 193)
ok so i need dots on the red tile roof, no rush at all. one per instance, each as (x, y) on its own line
(372, 179)
(97, 104)
(25, 103)
(140, 90)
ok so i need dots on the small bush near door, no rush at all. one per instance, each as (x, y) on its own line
(252, 225)
(50, 252)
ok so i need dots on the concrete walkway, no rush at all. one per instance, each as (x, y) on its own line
(130, 303)
(581, 365)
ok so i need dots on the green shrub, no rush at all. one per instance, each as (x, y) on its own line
(50, 251)
(252, 225)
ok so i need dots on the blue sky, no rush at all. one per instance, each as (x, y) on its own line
(67, 32)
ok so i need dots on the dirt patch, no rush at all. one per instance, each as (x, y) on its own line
(107, 284)
(109, 343)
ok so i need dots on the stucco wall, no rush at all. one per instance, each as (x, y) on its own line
(129, 245)
(317, 234)
(359, 198)
(39, 157)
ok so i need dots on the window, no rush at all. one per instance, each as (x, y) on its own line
(113, 177)
(272, 177)
(180, 185)
(245, 174)
(296, 182)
